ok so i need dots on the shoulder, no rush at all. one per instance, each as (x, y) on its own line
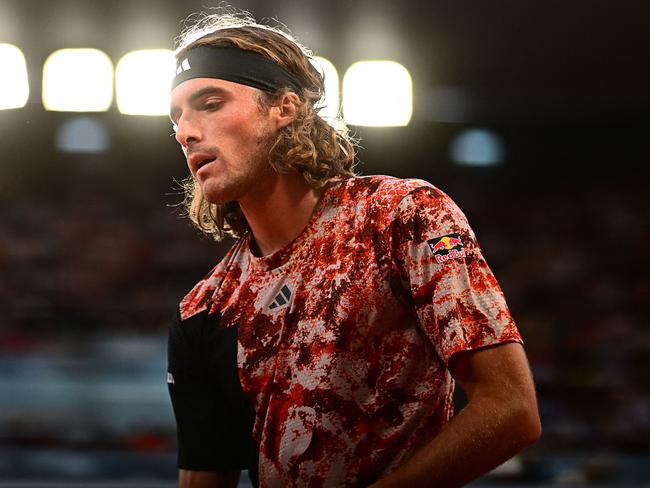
(429, 202)
(200, 297)
(380, 186)
(426, 213)
(385, 199)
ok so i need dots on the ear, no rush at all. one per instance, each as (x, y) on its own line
(286, 109)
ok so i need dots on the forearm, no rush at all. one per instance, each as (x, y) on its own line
(481, 437)
(207, 479)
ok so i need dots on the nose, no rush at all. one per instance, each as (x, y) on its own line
(187, 132)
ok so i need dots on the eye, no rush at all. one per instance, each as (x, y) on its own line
(212, 104)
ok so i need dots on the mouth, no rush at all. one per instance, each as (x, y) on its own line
(198, 159)
(204, 162)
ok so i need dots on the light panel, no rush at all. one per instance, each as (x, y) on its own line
(330, 107)
(78, 80)
(477, 147)
(82, 134)
(143, 81)
(377, 94)
(14, 84)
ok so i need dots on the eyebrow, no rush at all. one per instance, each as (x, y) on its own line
(175, 111)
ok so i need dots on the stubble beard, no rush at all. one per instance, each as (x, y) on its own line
(235, 187)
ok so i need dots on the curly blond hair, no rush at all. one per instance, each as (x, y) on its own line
(315, 148)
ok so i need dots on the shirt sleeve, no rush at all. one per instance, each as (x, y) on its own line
(214, 433)
(459, 303)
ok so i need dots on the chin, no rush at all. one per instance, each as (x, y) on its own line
(218, 196)
(216, 199)
(219, 191)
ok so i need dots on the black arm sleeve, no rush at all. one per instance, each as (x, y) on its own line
(214, 420)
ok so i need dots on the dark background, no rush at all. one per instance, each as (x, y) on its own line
(94, 253)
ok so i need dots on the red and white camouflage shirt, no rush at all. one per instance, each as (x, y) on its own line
(345, 334)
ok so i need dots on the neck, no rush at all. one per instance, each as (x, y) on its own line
(278, 211)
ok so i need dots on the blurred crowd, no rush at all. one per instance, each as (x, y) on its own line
(94, 267)
(572, 263)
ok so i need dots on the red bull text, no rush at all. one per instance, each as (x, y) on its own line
(447, 247)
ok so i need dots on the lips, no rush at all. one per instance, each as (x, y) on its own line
(204, 162)
(197, 160)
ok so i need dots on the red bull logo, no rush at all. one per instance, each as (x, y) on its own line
(446, 247)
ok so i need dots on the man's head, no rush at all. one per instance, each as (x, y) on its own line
(269, 120)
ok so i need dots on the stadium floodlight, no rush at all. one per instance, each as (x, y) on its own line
(143, 81)
(14, 85)
(377, 94)
(330, 107)
(78, 80)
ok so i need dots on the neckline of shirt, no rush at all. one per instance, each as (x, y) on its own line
(282, 256)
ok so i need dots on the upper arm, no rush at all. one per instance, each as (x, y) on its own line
(213, 419)
(459, 302)
(500, 372)
(198, 411)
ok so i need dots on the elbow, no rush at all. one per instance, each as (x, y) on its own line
(527, 424)
(534, 430)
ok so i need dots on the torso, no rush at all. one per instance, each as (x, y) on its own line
(331, 353)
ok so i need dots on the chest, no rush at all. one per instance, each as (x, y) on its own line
(316, 320)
